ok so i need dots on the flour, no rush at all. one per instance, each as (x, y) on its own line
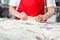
(32, 21)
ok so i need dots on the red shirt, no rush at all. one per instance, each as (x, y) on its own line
(31, 7)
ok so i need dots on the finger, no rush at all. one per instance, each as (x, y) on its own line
(24, 18)
(43, 21)
(38, 20)
(23, 14)
(40, 16)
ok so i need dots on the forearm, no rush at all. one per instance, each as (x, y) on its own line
(50, 12)
(13, 11)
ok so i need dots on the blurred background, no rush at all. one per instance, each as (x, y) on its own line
(4, 11)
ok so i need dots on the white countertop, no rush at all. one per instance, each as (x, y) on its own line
(13, 30)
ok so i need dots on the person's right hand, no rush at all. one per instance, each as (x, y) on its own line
(23, 16)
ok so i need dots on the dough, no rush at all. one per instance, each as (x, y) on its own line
(32, 21)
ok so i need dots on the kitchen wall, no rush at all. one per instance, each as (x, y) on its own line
(4, 8)
(57, 0)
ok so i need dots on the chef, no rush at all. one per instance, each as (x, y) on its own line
(22, 9)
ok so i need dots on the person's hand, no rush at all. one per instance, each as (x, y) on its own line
(23, 16)
(41, 18)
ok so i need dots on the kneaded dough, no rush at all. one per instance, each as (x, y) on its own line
(31, 20)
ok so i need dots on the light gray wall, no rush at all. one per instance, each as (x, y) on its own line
(57, 0)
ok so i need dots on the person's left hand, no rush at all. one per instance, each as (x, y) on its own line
(41, 18)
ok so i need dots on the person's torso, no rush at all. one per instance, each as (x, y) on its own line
(31, 7)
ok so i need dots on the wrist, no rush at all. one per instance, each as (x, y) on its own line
(48, 15)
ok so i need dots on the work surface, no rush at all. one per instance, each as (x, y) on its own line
(14, 30)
